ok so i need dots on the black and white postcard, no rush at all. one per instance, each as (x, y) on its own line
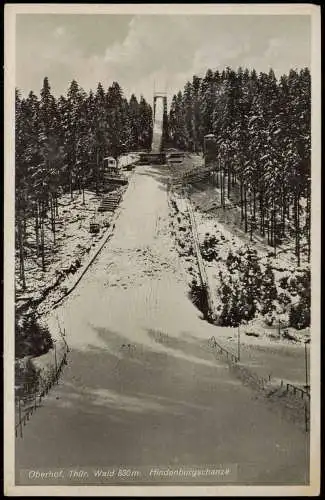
(162, 249)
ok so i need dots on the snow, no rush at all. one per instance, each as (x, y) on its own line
(230, 242)
(227, 241)
(136, 295)
(139, 283)
(127, 159)
(73, 243)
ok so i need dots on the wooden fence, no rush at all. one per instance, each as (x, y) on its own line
(262, 382)
(31, 397)
(229, 355)
(295, 390)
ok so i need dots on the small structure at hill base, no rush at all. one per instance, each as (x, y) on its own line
(112, 172)
(210, 150)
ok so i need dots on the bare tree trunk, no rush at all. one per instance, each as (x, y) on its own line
(262, 213)
(37, 230)
(21, 254)
(272, 224)
(250, 202)
(274, 228)
(245, 208)
(284, 209)
(298, 231)
(308, 223)
(223, 187)
(53, 217)
(233, 182)
(241, 201)
(24, 225)
(50, 207)
(56, 205)
(97, 168)
(71, 188)
(218, 174)
(42, 237)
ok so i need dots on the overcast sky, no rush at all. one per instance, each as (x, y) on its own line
(140, 51)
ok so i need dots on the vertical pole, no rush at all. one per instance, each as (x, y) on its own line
(274, 232)
(306, 418)
(56, 364)
(279, 329)
(238, 338)
(20, 422)
(306, 366)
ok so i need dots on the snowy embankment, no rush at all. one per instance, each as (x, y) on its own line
(263, 350)
(66, 261)
(281, 281)
(66, 256)
(182, 234)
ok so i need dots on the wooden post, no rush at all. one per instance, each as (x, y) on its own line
(56, 364)
(306, 417)
(20, 422)
(306, 366)
(238, 344)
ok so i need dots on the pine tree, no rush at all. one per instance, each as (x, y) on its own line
(134, 122)
(116, 120)
(145, 125)
(177, 134)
